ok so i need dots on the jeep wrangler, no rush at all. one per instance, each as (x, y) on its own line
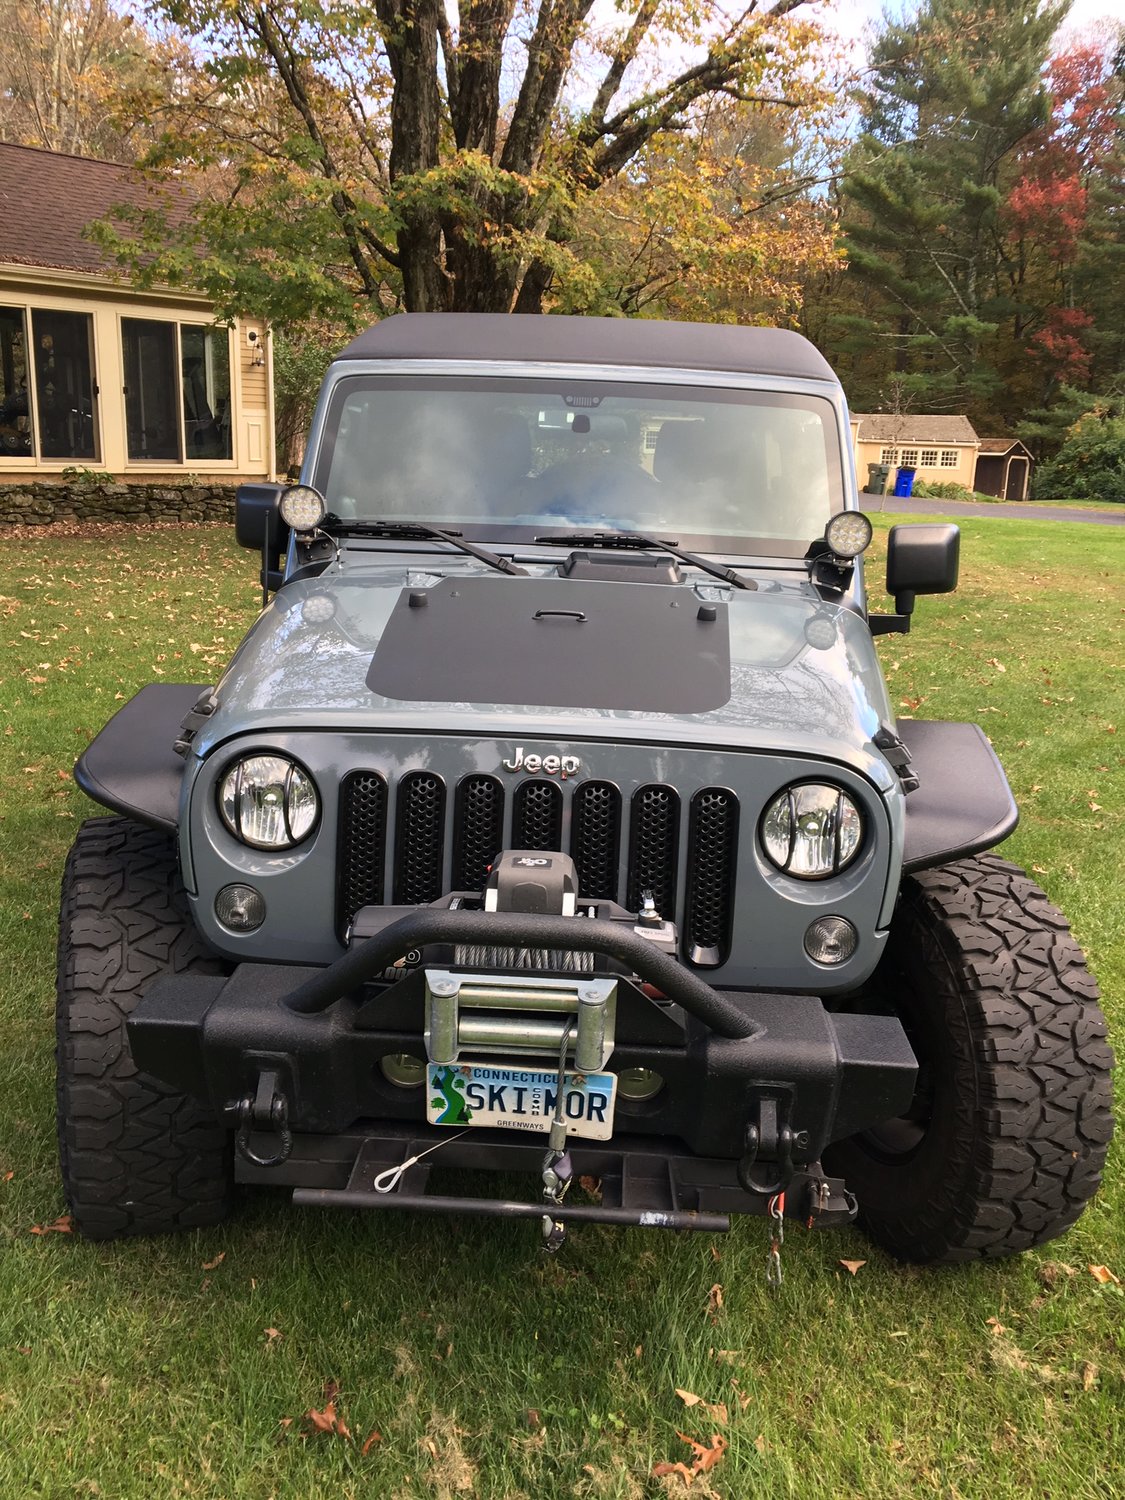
(553, 819)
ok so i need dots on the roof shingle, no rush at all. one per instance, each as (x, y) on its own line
(885, 427)
(47, 200)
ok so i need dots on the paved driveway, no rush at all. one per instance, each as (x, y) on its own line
(919, 507)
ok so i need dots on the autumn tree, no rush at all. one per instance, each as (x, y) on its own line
(955, 92)
(80, 76)
(398, 154)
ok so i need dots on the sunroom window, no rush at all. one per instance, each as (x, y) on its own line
(15, 403)
(177, 391)
(65, 393)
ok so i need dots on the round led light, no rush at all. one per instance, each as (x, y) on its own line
(302, 507)
(831, 940)
(318, 609)
(812, 830)
(820, 632)
(240, 908)
(848, 533)
(268, 802)
(403, 1069)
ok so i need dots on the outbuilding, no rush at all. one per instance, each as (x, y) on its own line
(101, 377)
(1003, 468)
(940, 450)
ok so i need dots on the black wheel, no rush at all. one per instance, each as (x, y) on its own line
(1005, 1141)
(136, 1157)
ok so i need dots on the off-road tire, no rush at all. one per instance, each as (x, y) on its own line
(1013, 1113)
(136, 1157)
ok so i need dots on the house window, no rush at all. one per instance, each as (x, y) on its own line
(65, 393)
(929, 459)
(651, 434)
(177, 391)
(949, 458)
(15, 409)
(910, 458)
(205, 367)
(888, 456)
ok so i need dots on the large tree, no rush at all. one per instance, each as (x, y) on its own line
(956, 92)
(398, 153)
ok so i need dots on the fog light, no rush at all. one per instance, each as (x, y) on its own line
(831, 940)
(403, 1069)
(240, 908)
(638, 1084)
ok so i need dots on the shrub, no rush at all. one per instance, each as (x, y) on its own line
(1090, 465)
(927, 490)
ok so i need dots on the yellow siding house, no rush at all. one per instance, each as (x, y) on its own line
(97, 376)
(941, 450)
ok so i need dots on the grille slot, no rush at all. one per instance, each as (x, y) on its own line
(654, 841)
(419, 838)
(361, 854)
(537, 816)
(478, 830)
(595, 836)
(713, 842)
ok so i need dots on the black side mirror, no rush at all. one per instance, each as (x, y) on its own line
(921, 559)
(258, 525)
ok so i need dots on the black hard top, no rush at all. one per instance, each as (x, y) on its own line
(594, 341)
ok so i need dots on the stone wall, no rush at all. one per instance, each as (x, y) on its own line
(44, 501)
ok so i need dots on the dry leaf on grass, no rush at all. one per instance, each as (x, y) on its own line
(272, 1335)
(592, 1187)
(1101, 1274)
(852, 1266)
(715, 1302)
(212, 1265)
(705, 1458)
(64, 1224)
(1088, 1374)
(373, 1437)
(996, 1326)
(717, 1409)
(8, 1176)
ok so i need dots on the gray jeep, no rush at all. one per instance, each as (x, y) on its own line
(553, 819)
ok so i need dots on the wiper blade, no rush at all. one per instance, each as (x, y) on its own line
(638, 539)
(418, 529)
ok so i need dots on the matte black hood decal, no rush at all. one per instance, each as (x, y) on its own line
(563, 643)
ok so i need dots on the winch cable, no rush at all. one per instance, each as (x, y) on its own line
(387, 1181)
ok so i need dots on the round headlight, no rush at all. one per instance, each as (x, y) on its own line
(302, 507)
(848, 533)
(268, 802)
(811, 830)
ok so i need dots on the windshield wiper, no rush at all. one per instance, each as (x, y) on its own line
(636, 539)
(417, 529)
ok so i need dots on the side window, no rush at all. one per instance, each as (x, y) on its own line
(949, 458)
(15, 403)
(888, 456)
(928, 459)
(152, 420)
(205, 382)
(910, 458)
(64, 384)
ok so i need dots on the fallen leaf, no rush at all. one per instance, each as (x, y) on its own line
(996, 1326)
(716, 1410)
(760, 1443)
(689, 1398)
(716, 1254)
(1089, 1375)
(373, 1437)
(1103, 1275)
(592, 1187)
(706, 1458)
(8, 1176)
(532, 1418)
(327, 1420)
(210, 1265)
(852, 1266)
(273, 1334)
(714, 1302)
(64, 1224)
(660, 1470)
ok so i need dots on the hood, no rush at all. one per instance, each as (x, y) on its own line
(468, 652)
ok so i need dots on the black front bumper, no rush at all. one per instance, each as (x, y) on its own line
(755, 1085)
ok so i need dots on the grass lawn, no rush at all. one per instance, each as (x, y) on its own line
(182, 1367)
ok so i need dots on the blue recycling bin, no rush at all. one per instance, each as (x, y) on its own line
(904, 483)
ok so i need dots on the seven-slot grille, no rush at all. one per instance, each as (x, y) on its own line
(621, 849)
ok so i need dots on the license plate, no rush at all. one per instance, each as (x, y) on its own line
(519, 1098)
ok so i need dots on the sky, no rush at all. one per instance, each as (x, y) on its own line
(850, 18)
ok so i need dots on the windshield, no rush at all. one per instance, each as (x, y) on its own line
(493, 458)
